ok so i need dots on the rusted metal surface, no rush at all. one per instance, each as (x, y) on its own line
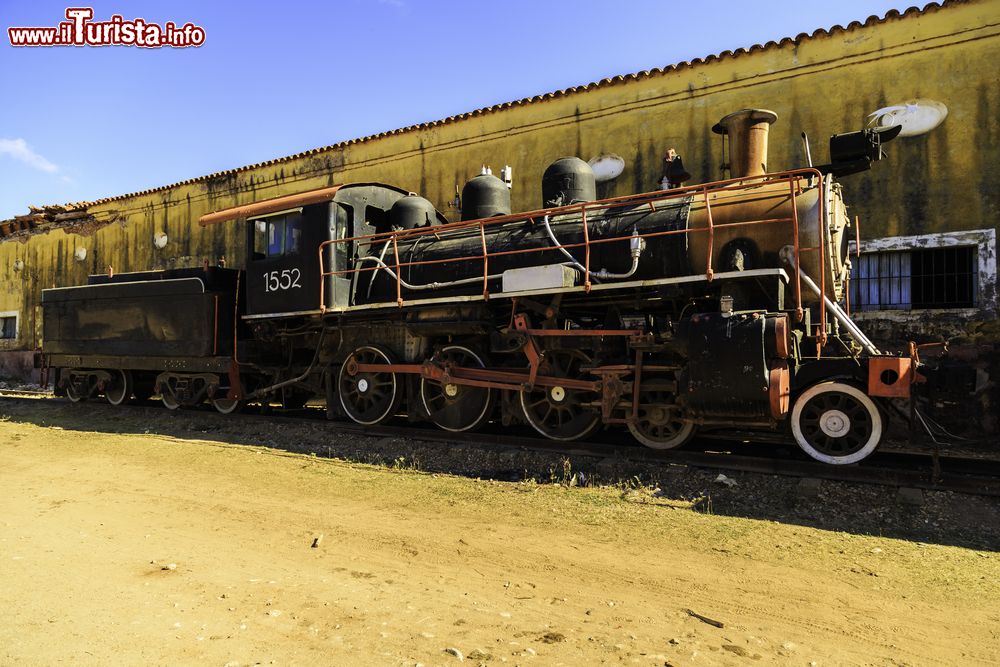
(781, 338)
(752, 201)
(890, 377)
(779, 390)
(747, 130)
(269, 206)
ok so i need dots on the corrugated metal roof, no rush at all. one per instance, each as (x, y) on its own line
(611, 81)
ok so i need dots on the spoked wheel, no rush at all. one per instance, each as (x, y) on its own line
(837, 423)
(119, 389)
(456, 407)
(368, 397)
(659, 423)
(561, 413)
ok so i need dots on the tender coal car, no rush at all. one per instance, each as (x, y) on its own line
(139, 334)
(709, 306)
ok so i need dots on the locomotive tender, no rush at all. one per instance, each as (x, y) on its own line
(712, 306)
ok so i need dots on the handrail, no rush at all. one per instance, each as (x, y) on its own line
(486, 261)
(586, 250)
(794, 178)
(709, 273)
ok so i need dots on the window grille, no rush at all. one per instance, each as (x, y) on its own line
(915, 279)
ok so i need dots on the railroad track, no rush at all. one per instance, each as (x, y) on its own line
(886, 468)
(921, 470)
(25, 393)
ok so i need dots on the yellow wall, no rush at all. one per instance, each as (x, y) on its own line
(824, 84)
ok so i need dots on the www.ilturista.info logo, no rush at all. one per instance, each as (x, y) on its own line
(80, 30)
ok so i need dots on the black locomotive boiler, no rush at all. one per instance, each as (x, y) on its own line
(713, 306)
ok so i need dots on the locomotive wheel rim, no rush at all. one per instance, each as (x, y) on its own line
(71, 392)
(378, 399)
(120, 389)
(568, 418)
(837, 423)
(170, 401)
(227, 406)
(659, 424)
(454, 407)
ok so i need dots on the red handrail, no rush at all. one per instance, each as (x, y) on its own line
(793, 177)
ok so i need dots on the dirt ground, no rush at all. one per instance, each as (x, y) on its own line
(119, 546)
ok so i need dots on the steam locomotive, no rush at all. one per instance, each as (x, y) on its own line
(711, 306)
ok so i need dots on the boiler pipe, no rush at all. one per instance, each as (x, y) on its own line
(840, 315)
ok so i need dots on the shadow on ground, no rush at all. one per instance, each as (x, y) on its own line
(932, 517)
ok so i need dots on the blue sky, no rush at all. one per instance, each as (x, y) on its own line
(276, 78)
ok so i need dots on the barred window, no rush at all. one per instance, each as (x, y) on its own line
(915, 279)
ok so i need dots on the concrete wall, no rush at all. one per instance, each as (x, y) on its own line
(820, 84)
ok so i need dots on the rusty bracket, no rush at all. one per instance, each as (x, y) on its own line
(612, 388)
(636, 384)
(530, 348)
(235, 384)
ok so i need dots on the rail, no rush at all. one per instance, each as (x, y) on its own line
(794, 179)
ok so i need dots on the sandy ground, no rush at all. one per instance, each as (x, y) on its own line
(119, 548)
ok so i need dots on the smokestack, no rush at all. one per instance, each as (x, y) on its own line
(747, 130)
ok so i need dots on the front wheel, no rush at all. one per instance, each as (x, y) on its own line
(837, 423)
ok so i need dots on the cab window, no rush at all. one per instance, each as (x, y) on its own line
(277, 236)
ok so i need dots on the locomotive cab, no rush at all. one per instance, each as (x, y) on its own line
(284, 248)
(282, 273)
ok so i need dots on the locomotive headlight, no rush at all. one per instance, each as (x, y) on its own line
(160, 240)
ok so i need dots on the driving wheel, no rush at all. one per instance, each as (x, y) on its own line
(456, 407)
(368, 397)
(659, 423)
(559, 412)
(837, 423)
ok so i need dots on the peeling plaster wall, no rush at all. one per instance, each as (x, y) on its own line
(942, 181)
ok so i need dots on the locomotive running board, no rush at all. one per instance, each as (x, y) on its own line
(726, 275)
